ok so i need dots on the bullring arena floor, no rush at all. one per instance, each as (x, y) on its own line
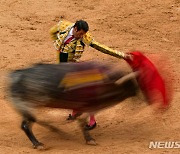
(148, 26)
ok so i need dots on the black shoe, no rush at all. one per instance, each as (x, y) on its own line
(70, 117)
(88, 127)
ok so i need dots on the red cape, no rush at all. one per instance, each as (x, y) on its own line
(149, 79)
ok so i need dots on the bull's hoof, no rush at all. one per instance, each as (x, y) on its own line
(88, 127)
(39, 146)
(91, 142)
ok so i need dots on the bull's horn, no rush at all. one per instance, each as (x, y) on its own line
(127, 77)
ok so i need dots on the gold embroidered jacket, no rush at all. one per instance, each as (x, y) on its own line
(76, 47)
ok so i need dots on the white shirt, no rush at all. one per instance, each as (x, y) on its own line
(70, 34)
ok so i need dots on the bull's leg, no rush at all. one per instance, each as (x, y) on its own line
(26, 126)
(83, 122)
(24, 108)
(49, 126)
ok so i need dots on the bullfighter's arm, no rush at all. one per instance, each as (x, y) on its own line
(60, 27)
(53, 32)
(88, 40)
(107, 50)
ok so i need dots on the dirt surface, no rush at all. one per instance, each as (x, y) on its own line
(149, 26)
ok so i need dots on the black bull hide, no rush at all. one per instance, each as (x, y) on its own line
(85, 87)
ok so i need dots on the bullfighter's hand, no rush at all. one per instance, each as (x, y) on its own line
(128, 56)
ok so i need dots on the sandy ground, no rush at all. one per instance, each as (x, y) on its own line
(149, 26)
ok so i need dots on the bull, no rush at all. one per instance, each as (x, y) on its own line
(85, 87)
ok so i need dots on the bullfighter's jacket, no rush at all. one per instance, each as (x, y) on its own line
(75, 48)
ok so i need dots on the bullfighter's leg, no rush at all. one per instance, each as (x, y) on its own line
(26, 126)
(74, 115)
(82, 122)
(92, 121)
